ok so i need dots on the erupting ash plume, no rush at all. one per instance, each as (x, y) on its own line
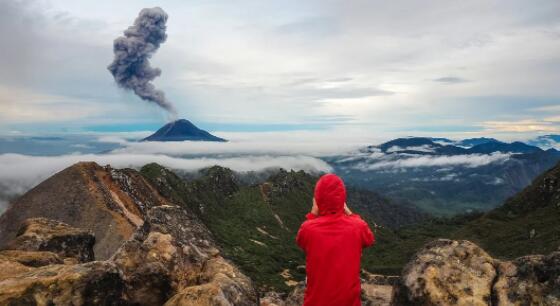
(131, 67)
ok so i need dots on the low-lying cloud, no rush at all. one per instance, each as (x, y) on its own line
(22, 172)
(257, 143)
(470, 161)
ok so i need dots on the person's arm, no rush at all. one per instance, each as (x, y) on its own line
(368, 239)
(314, 211)
(300, 238)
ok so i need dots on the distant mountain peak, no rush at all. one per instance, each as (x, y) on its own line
(180, 130)
(471, 142)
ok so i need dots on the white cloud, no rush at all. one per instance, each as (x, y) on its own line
(423, 148)
(315, 143)
(22, 106)
(523, 126)
(21, 172)
(471, 160)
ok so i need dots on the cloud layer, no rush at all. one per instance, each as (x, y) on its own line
(22, 172)
(376, 160)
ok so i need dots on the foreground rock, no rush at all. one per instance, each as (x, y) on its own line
(40, 234)
(174, 254)
(172, 260)
(447, 272)
(94, 283)
(153, 252)
(31, 258)
(377, 290)
(529, 280)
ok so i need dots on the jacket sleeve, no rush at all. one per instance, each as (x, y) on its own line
(368, 239)
(301, 237)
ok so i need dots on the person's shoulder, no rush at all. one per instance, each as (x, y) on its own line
(308, 222)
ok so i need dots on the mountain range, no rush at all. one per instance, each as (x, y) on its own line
(442, 176)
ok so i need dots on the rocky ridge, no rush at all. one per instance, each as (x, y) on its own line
(110, 203)
(171, 257)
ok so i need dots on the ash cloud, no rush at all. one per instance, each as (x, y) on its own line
(131, 66)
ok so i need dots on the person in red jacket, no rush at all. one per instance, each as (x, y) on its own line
(332, 239)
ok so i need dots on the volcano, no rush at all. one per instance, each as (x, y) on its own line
(181, 130)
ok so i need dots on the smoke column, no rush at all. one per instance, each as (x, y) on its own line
(131, 67)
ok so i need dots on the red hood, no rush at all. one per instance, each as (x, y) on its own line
(330, 194)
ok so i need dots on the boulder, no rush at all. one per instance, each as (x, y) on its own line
(377, 289)
(10, 268)
(31, 258)
(447, 272)
(93, 283)
(529, 280)
(173, 256)
(221, 283)
(40, 234)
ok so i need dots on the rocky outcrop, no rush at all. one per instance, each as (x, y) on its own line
(31, 258)
(110, 203)
(447, 272)
(220, 283)
(172, 260)
(93, 283)
(40, 234)
(174, 254)
(154, 253)
(529, 280)
(377, 290)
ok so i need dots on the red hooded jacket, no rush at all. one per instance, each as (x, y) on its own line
(333, 243)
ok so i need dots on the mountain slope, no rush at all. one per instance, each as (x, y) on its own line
(256, 224)
(527, 223)
(153, 251)
(181, 130)
(109, 202)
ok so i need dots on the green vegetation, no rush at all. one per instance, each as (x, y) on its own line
(256, 224)
(527, 223)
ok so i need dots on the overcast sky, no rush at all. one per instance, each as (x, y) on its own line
(379, 67)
